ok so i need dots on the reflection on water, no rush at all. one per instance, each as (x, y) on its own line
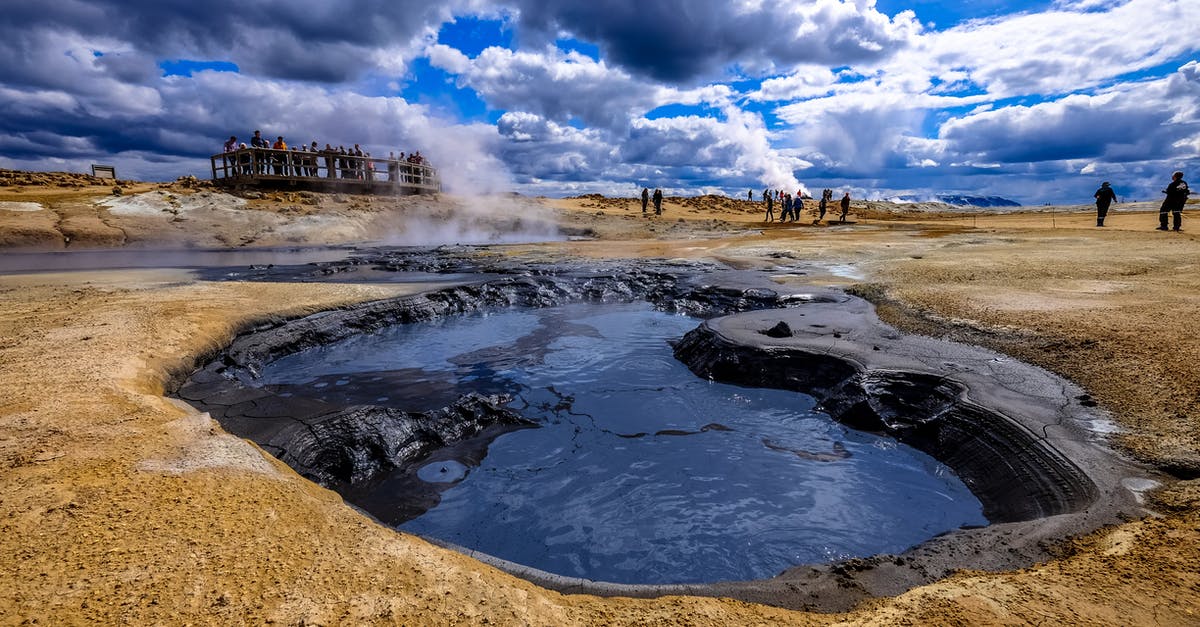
(641, 472)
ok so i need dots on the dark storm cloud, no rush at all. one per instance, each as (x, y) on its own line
(1138, 122)
(82, 80)
(297, 39)
(683, 40)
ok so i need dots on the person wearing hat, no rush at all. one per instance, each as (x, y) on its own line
(1177, 193)
(1104, 197)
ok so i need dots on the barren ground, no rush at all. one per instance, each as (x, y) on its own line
(118, 505)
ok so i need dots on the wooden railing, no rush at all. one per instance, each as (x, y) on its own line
(258, 166)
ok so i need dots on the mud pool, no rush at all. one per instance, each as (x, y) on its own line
(640, 472)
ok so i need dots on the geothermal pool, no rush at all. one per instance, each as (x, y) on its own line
(640, 471)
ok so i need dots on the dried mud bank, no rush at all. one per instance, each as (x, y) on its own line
(1030, 445)
(1023, 440)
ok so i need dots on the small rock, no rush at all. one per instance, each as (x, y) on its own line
(780, 330)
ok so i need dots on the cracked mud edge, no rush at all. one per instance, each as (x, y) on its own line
(1012, 432)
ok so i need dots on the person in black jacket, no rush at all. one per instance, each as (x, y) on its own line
(658, 197)
(645, 199)
(1177, 193)
(1104, 197)
(260, 158)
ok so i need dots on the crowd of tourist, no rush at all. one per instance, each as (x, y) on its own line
(791, 206)
(278, 159)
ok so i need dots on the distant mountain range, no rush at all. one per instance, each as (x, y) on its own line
(962, 201)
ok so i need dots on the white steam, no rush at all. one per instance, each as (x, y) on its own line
(476, 207)
(489, 219)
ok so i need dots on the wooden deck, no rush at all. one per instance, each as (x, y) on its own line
(251, 168)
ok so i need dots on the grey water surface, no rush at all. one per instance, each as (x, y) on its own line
(641, 472)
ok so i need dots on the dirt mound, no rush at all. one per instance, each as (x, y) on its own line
(187, 183)
(713, 202)
(11, 178)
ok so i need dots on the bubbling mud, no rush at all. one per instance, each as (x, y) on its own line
(1017, 436)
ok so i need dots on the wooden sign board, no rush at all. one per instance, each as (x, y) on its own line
(104, 171)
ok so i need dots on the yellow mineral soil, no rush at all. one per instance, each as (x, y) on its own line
(120, 506)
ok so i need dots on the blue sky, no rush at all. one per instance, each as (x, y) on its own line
(1034, 101)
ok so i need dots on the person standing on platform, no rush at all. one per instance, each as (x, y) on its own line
(244, 160)
(260, 158)
(280, 158)
(330, 156)
(226, 161)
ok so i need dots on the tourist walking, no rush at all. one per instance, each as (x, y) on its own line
(658, 197)
(1104, 197)
(645, 199)
(770, 207)
(845, 207)
(824, 204)
(1177, 192)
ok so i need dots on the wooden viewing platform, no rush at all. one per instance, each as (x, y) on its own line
(321, 171)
